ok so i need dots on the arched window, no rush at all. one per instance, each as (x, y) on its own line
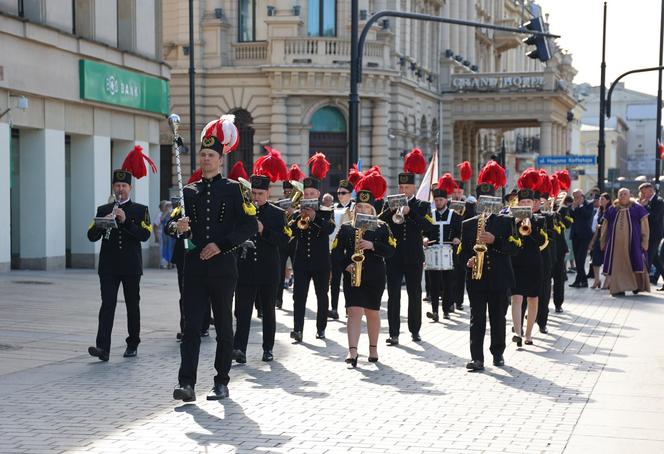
(245, 151)
(322, 18)
(328, 135)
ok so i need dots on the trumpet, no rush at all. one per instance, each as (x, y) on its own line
(303, 223)
(525, 227)
(522, 217)
(107, 235)
(398, 217)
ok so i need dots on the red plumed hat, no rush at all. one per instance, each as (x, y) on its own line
(544, 185)
(447, 183)
(414, 162)
(465, 171)
(373, 182)
(319, 166)
(564, 179)
(354, 175)
(374, 169)
(294, 173)
(196, 176)
(555, 185)
(238, 171)
(492, 173)
(529, 179)
(271, 165)
(221, 135)
(134, 163)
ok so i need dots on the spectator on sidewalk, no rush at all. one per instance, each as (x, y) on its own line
(581, 233)
(596, 255)
(624, 241)
(655, 206)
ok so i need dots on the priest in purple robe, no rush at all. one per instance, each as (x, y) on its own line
(625, 242)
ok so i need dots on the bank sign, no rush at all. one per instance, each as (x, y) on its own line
(109, 84)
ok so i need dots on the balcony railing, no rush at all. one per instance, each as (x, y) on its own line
(251, 53)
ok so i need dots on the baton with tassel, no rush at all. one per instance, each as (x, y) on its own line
(174, 124)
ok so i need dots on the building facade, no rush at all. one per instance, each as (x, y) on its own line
(283, 67)
(81, 83)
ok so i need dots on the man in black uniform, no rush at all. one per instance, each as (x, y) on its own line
(548, 256)
(259, 271)
(312, 257)
(564, 221)
(120, 262)
(408, 260)
(346, 202)
(491, 290)
(218, 220)
(441, 280)
(459, 281)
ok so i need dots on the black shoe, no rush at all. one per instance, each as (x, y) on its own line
(296, 335)
(635, 292)
(184, 393)
(575, 285)
(333, 314)
(518, 340)
(320, 334)
(416, 337)
(528, 342)
(392, 340)
(373, 359)
(446, 315)
(459, 306)
(267, 356)
(239, 356)
(475, 365)
(178, 336)
(205, 333)
(498, 361)
(661, 289)
(352, 360)
(583, 285)
(130, 352)
(98, 353)
(218, 392)
(433, 316)
(544, 330)
(278, 304)
(559, 309)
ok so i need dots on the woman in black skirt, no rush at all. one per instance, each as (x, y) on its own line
(596, 254)
(376, 245)
(527, 266)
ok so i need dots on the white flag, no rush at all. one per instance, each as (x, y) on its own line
(430, 178)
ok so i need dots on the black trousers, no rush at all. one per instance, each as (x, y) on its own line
(440, 290)
(653, 258)
(110, 284)
(245, 296)
(544, 298)
(496, 302)
(580, 248)
(413, 275)
(283, 256)
(559, 273)
(208, 316)
(459, 282)
(303, 278)
(199, 293)
(335, 282)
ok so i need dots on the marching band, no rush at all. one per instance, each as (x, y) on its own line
(236, 245)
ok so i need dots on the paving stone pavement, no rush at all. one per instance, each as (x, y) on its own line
(593, 385)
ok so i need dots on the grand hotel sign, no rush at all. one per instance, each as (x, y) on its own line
(508, 82)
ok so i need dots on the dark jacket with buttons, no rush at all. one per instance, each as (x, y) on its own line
(410, 250)
(260, 265)
(218, 213)
(121, 252)
(529, 255)
(312, 247)
(546, 226)
(497, 274)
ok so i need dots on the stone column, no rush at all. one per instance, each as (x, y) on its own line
(463, 31)
(470, 33)
(454, 29)
(42, 199)
(379, 136)
(279, 128)
(546, 138)
(90, 186)
(5, 184)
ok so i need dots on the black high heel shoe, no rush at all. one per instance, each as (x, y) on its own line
(353, 360)
(518, 340)
(373, 359)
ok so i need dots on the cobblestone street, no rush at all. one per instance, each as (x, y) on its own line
(593, 385)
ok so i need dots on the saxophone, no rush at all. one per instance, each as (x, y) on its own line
(358, 259)
(480, 248)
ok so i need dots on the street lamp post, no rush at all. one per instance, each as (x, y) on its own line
(601, 145)
(658, 134)
(192, 90)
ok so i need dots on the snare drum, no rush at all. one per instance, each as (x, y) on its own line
(439, 257)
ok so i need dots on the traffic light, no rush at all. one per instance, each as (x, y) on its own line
(541, 51)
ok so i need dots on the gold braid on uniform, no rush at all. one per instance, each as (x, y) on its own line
(428, 218)
(569, 219)
(516, 241)
(248, 207)
(546, 239)
(392, 241)
(145, 223)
